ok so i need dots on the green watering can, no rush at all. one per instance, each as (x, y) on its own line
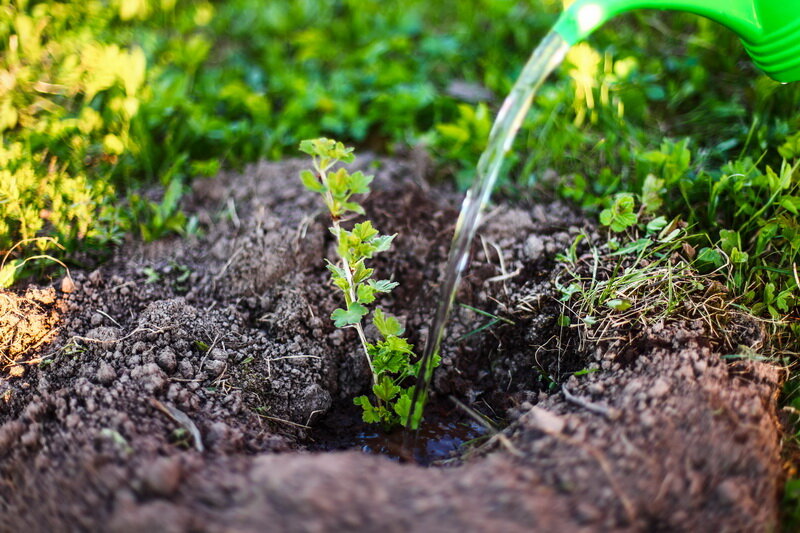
(769, 29)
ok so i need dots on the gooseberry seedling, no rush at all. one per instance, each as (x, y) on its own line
(390, 357)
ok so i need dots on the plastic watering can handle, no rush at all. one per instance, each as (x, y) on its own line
(769, 29)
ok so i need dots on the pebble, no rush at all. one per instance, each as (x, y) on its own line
(214, 368)
(162, 477)
(534, 247)
(97, 319)
(167, 360)
(728, 492)
(106, 374)
(659, 388)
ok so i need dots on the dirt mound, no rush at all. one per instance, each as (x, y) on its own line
(190, 378)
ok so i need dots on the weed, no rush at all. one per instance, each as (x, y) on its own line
(643, 281)
(390, 357)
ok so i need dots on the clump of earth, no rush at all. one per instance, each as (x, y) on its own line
(198, 384)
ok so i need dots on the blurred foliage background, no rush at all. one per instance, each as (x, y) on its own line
(103, 99)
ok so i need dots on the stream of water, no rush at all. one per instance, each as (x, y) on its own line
(547, 56)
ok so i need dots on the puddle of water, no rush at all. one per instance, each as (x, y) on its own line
(436, 441)
(442, 436)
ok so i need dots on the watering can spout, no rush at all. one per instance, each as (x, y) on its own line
(769, 29)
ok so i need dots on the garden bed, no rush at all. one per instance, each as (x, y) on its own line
(191, 384)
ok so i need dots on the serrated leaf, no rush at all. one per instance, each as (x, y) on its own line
(337, 181)
(311, 182)
(308, 147)
(384, 361)
(383, 243)
(368, 414)
(361, 273)
(365, 294)
(364, 231)
(605, 217)
(620, 216)
(347, 317)
(402, 406)
(383, 285)
(624, 220)
(398, 344)
(335, 269)
(359, 183)
(386, 324)
(385, 389)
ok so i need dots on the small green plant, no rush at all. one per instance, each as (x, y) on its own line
(390, 357)
(620, 215)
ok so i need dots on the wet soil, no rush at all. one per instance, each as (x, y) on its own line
(190, 382)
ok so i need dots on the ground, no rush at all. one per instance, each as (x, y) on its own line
(189, 384)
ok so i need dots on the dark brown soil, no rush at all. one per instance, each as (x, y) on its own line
(190, 378)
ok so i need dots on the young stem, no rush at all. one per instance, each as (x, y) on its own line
(352, 298)
(351, 287)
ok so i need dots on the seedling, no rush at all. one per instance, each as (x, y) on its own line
(390, 357)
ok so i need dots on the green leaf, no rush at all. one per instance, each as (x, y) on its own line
(308, 147)
(633, 248)
(359, 183)
(385, 389)
(563, 320)
(387, 325)
(368, 414)
(9, 272)
(337, 181)
(353, 315)
(364, 231)
(738, 257)
(365, 294)
(384, 361)
(361, 273)
(383, 285)
(383, 243)
(791, 204)
(728, 240)
(402, 406)
(327, 149)
(651, 193)
(398, 344)
(606, 217)
(656, 225)
(709, 259)
(335, 269)
(620, 216)
(354, 207)
(311, 182)
(619, 304)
